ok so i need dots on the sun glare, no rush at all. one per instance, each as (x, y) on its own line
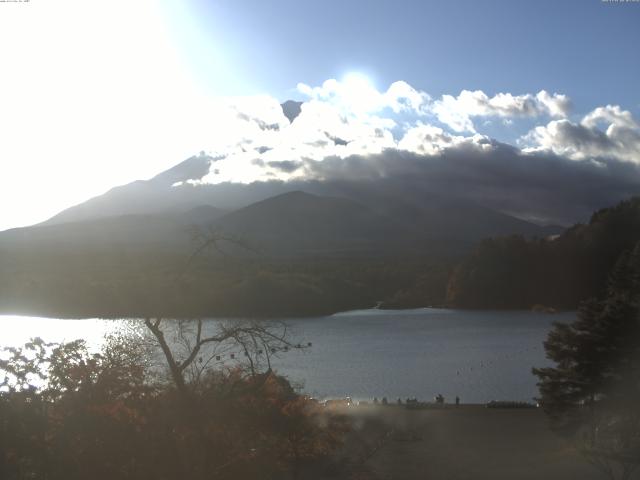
(360, 92)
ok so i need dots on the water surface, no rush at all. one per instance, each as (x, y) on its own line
(477, 355)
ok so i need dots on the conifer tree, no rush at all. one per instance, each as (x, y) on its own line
(593, 391)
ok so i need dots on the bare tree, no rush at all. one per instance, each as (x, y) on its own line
(191, 350)
(257, 341)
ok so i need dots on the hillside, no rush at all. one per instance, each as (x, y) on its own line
(309, 225)
(314, 247)
(309, 254)
(513, 272)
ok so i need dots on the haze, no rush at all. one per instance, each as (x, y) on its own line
(98, 94)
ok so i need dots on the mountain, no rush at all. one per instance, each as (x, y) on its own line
(406, 207)
(436, 216)
(124, 232)
(291, 109)
(314, 247)
(202, 215)
(160, 194)
(193, 168)
(361, 221)
(365, 222)
(305, 224)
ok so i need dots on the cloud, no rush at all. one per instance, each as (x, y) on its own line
(287, 166)
(540, 187)
(403, 97)
(349, 117)
(556, 105)
(355, 95)
(348, 132)
(457, 112)
(330, 123)
(430, 140)
(619, 140)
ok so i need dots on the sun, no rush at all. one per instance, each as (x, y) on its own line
(360, 92)
(357, 79)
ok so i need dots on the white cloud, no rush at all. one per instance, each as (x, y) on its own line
(340, 119)
(619, 140)
(430, 140)
(457, 112)
(352, 118)
(321, 130)
(355, 95)
(557, 105)
(401, 96)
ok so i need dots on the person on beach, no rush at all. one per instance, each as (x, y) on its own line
(457, 401)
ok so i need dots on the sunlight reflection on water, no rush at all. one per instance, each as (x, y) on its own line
(16, 330)
(416, 353)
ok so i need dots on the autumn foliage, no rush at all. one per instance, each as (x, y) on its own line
(66, 413)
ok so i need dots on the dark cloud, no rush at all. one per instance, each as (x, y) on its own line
(286, 166)
(336, 140)
(580, 137)
(620, 139)
(546, 188)
(541, 186)
(261, 123)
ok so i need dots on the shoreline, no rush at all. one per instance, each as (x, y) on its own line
(345, 313)
(469, 442)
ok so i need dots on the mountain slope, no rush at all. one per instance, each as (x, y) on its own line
(451, 223)
(311, 254)
(306, 224)
(125, 232)
(512, 272)
(370, 217)
(157, 195)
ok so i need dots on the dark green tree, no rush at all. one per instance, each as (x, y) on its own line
(559, 272)
(593, 392)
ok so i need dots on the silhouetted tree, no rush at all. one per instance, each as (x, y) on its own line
(593, 392)
(191, 350)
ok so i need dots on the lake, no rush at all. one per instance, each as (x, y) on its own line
(477, 355)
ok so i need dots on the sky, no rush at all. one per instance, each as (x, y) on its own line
(95, 94)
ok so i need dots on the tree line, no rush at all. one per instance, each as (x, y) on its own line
(518, 273)
(84, 284)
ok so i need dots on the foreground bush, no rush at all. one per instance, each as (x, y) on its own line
(68, 414)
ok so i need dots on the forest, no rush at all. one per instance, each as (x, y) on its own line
(507, 272)
(113, 285)
(559, 272)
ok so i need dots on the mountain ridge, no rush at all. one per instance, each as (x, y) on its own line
(296, 223)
